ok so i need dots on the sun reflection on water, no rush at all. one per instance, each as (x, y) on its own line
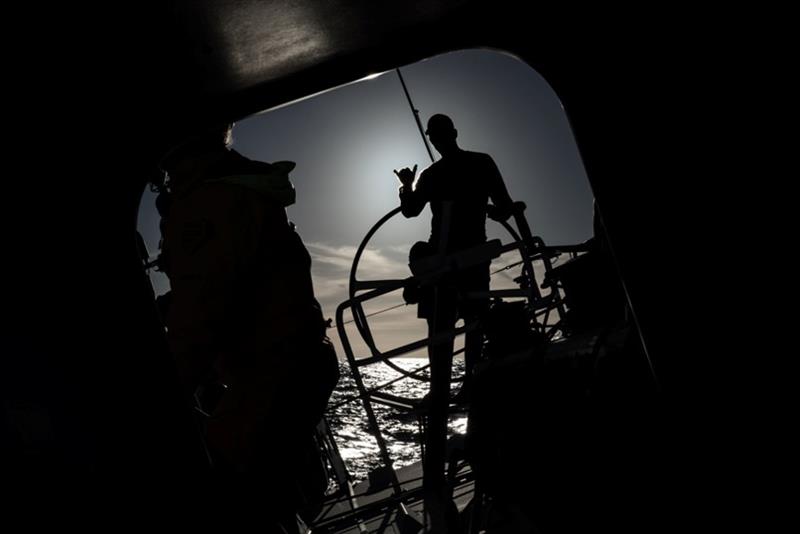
(400, 430)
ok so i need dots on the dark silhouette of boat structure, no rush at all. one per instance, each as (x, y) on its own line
(560, 343)
(89, 386)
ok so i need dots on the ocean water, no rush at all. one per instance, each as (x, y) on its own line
(348, 420)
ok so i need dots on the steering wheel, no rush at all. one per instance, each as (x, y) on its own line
(355, 285)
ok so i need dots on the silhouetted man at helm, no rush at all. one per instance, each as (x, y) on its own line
(458, 188)
(242, 314)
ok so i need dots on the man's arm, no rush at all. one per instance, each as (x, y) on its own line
(501, 200)
(412, 201)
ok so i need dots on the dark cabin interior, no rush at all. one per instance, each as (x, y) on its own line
(86, 370)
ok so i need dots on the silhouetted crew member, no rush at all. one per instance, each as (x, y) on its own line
(242, 310)
(458, 188)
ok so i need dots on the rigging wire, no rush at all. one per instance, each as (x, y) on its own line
(390, 308)
(507, 267)
(553, 261)
(415, 111)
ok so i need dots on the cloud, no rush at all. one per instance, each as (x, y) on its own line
(331, 266)
(331, 273)
(373, 263)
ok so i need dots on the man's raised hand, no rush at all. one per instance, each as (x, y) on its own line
(406, 175)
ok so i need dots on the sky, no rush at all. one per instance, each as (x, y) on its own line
(347, 142)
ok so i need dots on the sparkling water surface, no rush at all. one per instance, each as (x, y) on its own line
(348, 420)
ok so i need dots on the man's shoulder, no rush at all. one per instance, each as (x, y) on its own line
(456, 163)
(216, 199)
(477, 156)
(432, 170)
(236, 163)
(434, 167)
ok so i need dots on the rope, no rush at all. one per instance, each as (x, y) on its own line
(375, 313)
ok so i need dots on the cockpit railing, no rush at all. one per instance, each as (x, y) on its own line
(530, 249)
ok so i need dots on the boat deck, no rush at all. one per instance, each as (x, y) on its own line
(375, 505)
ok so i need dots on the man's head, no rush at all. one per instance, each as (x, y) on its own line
(442, 133)
(209, 141)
